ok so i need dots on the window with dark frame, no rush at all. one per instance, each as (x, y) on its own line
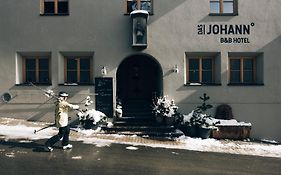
(78, 70)
(54, 7)
(242, 70)
(132, 5)
(36, 70)
(200, 70)
(223, 7)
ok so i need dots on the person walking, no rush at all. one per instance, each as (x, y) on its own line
(61, 121)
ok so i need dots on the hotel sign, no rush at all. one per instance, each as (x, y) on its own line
(241, 30)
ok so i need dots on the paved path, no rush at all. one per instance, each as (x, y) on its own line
(26, 158)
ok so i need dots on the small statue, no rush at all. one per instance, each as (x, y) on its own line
(140, 31)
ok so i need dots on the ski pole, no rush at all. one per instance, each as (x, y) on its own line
(35, 131)
(48, 93)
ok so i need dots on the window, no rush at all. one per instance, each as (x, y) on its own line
(36, 70)
(203, 68)
(200, 70)
(223, 7)
(78, 70)
(242, 70)
(132, 5)
(54, 7)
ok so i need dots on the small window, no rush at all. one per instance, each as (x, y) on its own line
(200, 70)
(132, 5)
(223, 7)
(54, 7)
(78, 70)
(36, 70)
(242, 70)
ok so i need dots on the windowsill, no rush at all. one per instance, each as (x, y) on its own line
(37, 84)
(76, 84)
(128, 14)
(245, 84)
(139, 45)
(202, 84)
(52, 14)
(223, 14)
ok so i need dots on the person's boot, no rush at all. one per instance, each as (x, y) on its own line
(68, 146)
(48, 148)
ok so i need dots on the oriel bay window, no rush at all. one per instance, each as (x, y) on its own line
(54, 7)
(77, 70)
(200, 70)
(36, 70)
(132, 5)
(223, 7)
(242, 70)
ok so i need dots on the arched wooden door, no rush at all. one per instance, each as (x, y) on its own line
(139, 77)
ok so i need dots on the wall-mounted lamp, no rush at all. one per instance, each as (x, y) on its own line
(175, 69)
(103, 70)
(6, 97)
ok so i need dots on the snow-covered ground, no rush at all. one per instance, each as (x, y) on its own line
(24, 132)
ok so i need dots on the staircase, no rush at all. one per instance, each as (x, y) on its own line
(138, 120)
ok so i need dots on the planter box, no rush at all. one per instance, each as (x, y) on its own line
(190, 131)
(195, 131)
(204, 133)
(232, 132)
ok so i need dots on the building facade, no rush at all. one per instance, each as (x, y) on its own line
(228, 49)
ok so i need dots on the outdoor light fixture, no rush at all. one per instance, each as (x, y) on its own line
(175, 68)
(6, 97)
(103, 71)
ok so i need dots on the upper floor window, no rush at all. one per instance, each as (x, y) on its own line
(132, 5)
(78, 70)
(54, 7)
(223, 7)
(36, 70)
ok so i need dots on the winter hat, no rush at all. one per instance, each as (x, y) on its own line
(63, 94)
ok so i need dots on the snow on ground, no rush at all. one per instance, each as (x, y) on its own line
(132, 148)
(24, 132)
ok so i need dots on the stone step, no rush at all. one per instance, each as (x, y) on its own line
(142, 128)
(138, 120)
(160, 135)
(130, 118)
(135, 121)
(135, 101)
(137, 114)
(137, 105)
(130, 110)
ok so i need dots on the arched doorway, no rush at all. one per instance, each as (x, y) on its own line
(139, 78)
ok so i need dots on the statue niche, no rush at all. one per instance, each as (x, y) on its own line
(139, 29)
